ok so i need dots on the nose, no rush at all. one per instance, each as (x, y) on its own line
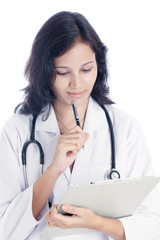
(74, 81)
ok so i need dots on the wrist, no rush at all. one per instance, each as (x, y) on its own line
(109, 226)
(54, 171)
(96, 222)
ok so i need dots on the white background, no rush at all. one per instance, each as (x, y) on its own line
(129, 28)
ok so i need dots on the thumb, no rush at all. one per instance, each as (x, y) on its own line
(71, 209)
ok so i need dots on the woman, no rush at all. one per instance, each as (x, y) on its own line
(68, 62)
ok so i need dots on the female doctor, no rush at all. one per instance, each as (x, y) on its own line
(68, 62)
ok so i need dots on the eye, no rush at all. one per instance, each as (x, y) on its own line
(86, 70)
(62, 73)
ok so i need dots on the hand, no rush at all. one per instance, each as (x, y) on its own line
(68, 146)
(85, 218)
(80, 218)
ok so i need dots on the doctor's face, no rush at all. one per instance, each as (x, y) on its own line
(76, 73)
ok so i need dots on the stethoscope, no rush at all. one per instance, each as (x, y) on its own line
(24, 151)
(112, 174)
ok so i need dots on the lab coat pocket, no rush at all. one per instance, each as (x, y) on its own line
(97, 172)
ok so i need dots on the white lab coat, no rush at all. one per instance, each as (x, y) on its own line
(132, 160)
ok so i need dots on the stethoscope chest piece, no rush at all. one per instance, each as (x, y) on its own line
(112, 174)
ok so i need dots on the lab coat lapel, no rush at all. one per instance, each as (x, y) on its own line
(51, 125)
(91, 125)
(48, 125)
(83, 159)
(67, 174)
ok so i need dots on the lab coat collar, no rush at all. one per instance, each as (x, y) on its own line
(92, 121)
(48, 125)
(94, 116)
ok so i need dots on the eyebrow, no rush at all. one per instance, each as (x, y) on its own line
(68, 67)
(87, 63)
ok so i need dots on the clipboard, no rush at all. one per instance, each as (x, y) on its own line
(112, 198)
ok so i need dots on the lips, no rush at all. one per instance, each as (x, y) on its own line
(76, 95)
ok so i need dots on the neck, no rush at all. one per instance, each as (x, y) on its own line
(65, 115)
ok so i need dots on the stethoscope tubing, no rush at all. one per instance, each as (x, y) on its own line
(112, 138)
(113, 174)
(32, 140)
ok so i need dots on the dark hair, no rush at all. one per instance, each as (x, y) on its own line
(54, 38)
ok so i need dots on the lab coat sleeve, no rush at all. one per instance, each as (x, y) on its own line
(145, 222)
(16, 218)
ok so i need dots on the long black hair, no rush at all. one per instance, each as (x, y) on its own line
(55, 37)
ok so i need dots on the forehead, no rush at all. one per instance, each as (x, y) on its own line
(79, 53)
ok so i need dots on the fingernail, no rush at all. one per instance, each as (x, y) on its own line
(65, 207)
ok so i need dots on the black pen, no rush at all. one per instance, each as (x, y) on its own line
(76, 115)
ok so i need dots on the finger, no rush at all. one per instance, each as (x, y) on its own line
(50, 224)
(72, 139)
(76, 129)
(80, 135)
(54, 212)
(72, 154)
(51, 215)
(51, 212)
(69, 148)
(77, 140)
(86, 136)
(72, 209)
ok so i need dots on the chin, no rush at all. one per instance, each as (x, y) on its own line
(80, 101)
